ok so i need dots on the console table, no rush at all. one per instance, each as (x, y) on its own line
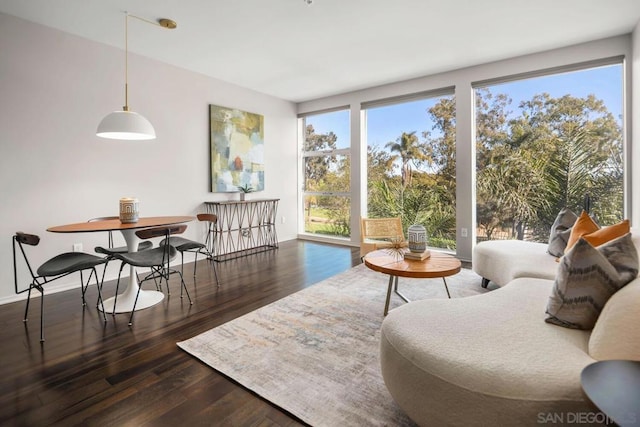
(243, 227)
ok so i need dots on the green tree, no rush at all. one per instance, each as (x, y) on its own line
(409, 150)
(549, 156)
(326, 173)
(317, 167)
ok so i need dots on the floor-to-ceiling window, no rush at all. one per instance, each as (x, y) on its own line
(548, 142)
(326, 198)
(411, 165)
(540, 139)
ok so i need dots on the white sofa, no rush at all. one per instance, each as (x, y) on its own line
(492, 360)
(501, 261)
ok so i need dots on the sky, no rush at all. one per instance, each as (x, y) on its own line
(386, 124)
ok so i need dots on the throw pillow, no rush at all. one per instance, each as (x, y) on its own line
(583, 225)
(605, 234)
(586, 279)
(560, 232)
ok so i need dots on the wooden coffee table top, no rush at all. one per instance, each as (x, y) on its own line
(437, 265)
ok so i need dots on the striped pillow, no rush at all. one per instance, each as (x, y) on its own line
(560, 232)
(586, 279)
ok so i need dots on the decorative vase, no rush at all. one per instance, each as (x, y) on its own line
(129, 210)
(417, 236)
(242, 196)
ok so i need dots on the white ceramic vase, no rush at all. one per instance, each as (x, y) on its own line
(417, 236)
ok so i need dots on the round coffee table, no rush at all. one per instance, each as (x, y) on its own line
(394, 264)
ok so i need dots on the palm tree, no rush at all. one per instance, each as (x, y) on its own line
(408, 149)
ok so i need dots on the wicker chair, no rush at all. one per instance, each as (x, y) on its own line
(379, 233)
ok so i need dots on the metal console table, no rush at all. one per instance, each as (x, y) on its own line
(243, 228)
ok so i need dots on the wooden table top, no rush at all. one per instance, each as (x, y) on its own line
(437, 265)
(115, 224)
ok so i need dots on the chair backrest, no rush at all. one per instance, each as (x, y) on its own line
(22, 239)
(381, 228)
(165, 231)
(102, 218)
(212, 219)
(27, 239)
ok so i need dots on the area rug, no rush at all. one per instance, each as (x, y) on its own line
(315, 353)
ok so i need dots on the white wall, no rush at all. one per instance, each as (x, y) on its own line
(55, 88)
(635, 124)
(462, 80)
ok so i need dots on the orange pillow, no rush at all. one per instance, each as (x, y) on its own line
(583, 225)
(606, 234)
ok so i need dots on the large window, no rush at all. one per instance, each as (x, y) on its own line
(326, 198)
(411, 166)
(545, 143)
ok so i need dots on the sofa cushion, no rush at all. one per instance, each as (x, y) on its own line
(587, 278)
(616, 334)
(560, 232)
(583, 225)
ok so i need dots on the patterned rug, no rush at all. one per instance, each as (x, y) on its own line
(315, 352)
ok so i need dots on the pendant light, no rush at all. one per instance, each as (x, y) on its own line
(127, 124)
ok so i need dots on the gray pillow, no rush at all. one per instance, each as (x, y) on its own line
(587, 277)
(560, 232)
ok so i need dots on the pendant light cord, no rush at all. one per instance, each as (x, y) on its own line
(126, 62)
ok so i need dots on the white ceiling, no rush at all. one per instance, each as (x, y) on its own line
(298, 52)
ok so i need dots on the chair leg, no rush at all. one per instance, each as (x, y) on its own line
(133, 310)
(184, 285)
(38, 287)
(215, 271)
(195, 264)
(26, 310)
(115, 298)
(104, 271)
(209, 256)
(100, 300)
(182, 266)
(41, 315)
(83, 288)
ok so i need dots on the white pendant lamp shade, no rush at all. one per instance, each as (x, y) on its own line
(127, 125)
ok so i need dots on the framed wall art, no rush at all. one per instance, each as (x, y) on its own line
(236, 150)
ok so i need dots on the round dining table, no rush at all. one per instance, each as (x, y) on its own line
(126, 300)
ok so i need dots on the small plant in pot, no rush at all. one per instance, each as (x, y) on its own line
(244, 189)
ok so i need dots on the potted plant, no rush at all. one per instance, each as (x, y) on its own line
(244, 189)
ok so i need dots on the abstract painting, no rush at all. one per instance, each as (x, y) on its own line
(237, 149)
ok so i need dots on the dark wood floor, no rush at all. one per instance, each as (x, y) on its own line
(89, 373)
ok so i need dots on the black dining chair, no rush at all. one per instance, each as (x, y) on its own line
(185, 245)
(110, 252)
(110, 249)
(157, 259)
(55, 268)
